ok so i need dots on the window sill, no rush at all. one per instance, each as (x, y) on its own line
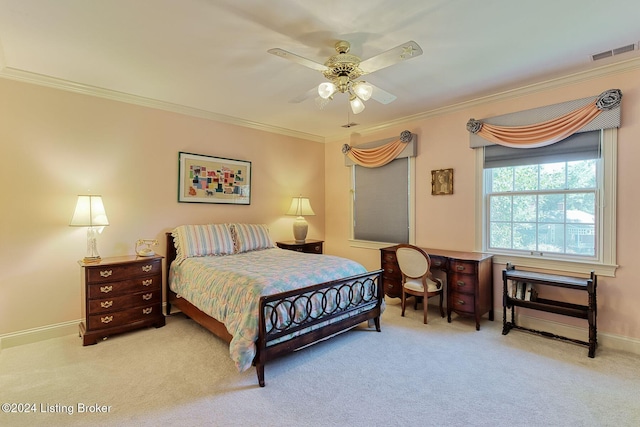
(608, 270)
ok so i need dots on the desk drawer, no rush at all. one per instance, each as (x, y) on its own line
(463, 267)
(438, 262)
(462, 302)
(463, 283)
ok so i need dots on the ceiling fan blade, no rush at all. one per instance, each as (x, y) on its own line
(381, 96)
(298, 59)
(304, 96)
(400, 53)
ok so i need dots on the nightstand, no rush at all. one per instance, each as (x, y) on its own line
(309, 246)
(120, 294)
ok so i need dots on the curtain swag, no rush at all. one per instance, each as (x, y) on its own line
(550, 131)
(379, 156)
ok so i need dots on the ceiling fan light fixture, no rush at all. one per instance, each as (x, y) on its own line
(357, 106)
(363, 90)
(326, 90)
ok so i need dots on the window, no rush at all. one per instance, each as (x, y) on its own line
(381, 202)
(555, 203)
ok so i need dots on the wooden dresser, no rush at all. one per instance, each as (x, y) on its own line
(469, 280)
(120, 294)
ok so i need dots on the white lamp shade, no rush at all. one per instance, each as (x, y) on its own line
(357, 106)
(89, 212)
(300, 206)
(326, 90)
(363, 90)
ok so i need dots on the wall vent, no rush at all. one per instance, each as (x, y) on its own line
(612, 52)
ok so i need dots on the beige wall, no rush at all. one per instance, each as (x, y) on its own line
(448, 222)
(56, 145)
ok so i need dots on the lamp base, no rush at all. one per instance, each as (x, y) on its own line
(90, 259)
(300, 228)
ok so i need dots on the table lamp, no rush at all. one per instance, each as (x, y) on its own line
(90, 213)
(300, 207)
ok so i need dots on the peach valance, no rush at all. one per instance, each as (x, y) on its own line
(550, 131)
(378, 156)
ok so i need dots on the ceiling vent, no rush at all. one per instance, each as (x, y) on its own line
(349, 125)
(612, 52)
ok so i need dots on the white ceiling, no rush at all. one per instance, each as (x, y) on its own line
(211, 55)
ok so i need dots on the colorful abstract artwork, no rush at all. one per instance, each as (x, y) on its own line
(206, 179)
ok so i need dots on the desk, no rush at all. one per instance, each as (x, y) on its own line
(469, 280)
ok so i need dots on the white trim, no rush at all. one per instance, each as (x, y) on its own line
(606, 266)
(29, 336)
(42, 80)
(39, 79)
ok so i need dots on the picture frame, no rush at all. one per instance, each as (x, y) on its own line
(442, 182)
(208, 179)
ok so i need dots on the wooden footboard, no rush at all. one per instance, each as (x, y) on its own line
(317, 312)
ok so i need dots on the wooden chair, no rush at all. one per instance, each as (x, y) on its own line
(417, 280)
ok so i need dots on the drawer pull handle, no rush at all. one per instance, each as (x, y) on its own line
(460, 283)
(106, 273)
(106, 289)
(147, 310)
(147, 297)
(147, 282)
(106, 319)
(436, 263)
(147, 268)
(460, 267)
(460, 302)
(390, 270)
(106, 304)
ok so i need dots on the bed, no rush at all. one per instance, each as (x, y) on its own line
(265, 301)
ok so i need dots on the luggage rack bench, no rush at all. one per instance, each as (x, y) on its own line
(588, 312)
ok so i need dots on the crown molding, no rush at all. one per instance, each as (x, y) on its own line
(552, 83)
(576, 77)
(66, 85)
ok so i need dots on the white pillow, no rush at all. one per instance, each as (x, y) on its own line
(202, 240)
(251, 237)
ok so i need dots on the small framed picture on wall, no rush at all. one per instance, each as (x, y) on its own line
(442, 182)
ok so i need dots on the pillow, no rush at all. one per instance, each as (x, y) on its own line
(202, 240)
(251, 237)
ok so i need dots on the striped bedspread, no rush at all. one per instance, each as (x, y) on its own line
(229, 287)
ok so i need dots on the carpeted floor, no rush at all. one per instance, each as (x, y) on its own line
(440, 374)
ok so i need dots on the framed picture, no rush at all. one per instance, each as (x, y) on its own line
(442, 182)
(206, 179)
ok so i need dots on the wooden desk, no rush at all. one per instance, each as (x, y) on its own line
(469, 280)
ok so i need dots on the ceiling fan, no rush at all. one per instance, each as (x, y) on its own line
(343, 70)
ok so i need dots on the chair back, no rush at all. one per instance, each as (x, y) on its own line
(413, 261)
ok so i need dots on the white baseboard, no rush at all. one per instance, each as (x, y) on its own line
(57, 330)
(611, 341)
(29, 336)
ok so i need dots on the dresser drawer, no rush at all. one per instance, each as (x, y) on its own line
(463, 283)
(462, 302)
(463, 267)
(125, 301)
(109, 289)
(119, 318)
(111, 273)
